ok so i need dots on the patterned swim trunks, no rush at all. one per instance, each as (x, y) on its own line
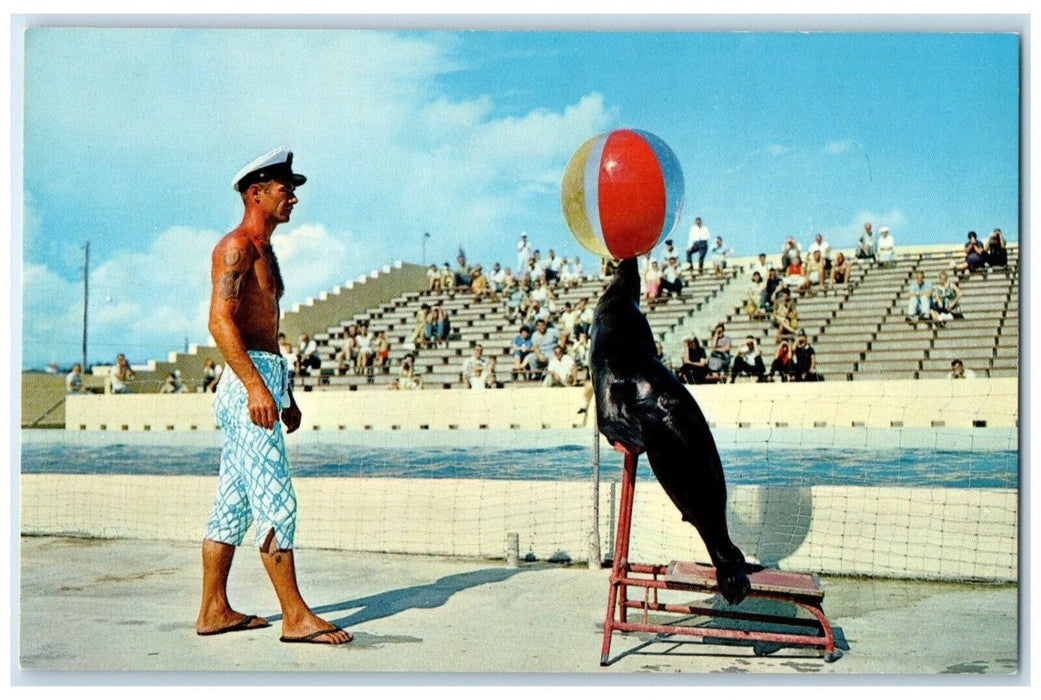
(254, 481)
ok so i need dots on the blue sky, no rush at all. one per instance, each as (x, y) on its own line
(131, 137)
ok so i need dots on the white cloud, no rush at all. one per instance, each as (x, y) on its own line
(833, 148)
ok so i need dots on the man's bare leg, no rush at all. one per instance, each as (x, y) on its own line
(298, 620)
(216, 613)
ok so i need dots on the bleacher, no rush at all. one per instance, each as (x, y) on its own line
(858, 331)
(861, 331)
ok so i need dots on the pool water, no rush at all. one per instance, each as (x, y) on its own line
(783, 466)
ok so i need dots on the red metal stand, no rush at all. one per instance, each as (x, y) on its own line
(800, 590)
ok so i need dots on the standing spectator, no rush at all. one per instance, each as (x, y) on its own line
(748, 359)
(523, 254)
(958, 371)
(973, 255)
(805, 360)
(651, 280)
(920, 295)
(695, 362)
(885, 248)
(520, 349)
(210, 374)
(996, 253)
(121, 375)
(668, 252)
(866, 244)
(74, 381)
(672, 278)
(697, 242)
(560, 371)
(718, 257)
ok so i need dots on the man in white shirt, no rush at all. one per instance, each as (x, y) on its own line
(885, 248)
(561, 369)
(671, 278)
(697, 242)
(824, 247)
(523, 254)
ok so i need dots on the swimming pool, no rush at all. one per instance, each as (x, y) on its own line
(783, 459)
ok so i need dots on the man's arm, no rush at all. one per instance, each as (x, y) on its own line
(231, 262)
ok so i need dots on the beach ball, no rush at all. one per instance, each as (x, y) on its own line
(622, 192)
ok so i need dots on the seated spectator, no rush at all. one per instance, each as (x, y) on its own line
(584, 320)
(946, 298)
(580, 351)
(307, 355)
(474, 371)
(442, 325)
(407, 377)
(447, 278)
(288, 354)
(567, 321)
(804, 360)
(498, 278)
(771, 286)
(120, 375)
(663, 357)
(840, 272)
(958, 371)
(996, 252)
(520, 349)
(173, 384)
(480, 286)
(785, 316)
(760, 266)
(717, 255)
(419, 335)
(719, 346)
(366, 350)
(819, 244)
(695, 362)
(462, 276)
(973, 255)
(651, 280)
(920, 294)
(382, 359)
(74, 381)
(817, 273)
(795, 275)
(551, 271)
(885, 248)
(210, 374)
(866, 244)
(668, 252)
(347, 355)
(754, 295)
(748, 359)
(535, 313)
(672, 278)
(433, 279)
(789, 252)
(782, 362)
(543, 294)
(576, 269)
(543, 340)
(560, 370)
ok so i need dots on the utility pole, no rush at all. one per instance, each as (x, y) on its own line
(86, 293)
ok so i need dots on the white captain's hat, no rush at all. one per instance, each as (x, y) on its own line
(277, 163)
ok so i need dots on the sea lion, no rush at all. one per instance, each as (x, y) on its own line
(640, 403)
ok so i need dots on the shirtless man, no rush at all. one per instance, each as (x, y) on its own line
(252, 396)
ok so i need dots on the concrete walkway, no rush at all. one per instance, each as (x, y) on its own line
(123, 605)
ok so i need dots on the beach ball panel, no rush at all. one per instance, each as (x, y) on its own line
(675, 188)
(630, 173)
(580, 213)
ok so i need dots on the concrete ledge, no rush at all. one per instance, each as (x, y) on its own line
(880, 403)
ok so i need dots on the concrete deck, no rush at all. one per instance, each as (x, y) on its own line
(126, 605)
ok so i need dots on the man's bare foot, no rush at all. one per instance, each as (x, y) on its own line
(316, 631)
(230, 622)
